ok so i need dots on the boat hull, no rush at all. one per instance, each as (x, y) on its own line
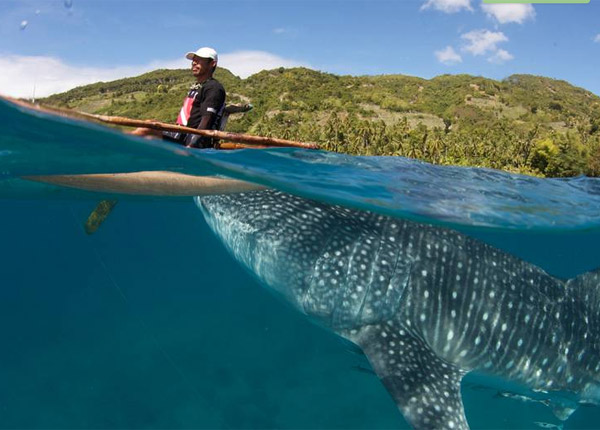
(150, 183)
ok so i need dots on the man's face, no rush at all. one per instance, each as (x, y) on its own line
(202, 66)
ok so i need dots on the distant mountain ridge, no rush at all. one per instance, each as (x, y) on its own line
(524, 123)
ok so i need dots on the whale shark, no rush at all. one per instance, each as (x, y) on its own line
(426, 304)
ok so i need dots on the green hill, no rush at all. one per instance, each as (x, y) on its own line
(524, 123)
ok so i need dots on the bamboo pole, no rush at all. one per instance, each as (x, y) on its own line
(233, 145)
(157, 125)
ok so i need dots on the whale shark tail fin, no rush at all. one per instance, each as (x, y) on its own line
(426, 389)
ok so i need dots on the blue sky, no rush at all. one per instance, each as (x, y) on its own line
(58, 44)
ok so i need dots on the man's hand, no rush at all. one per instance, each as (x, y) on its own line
(195, 140)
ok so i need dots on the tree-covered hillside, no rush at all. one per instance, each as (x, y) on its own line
(524, 123)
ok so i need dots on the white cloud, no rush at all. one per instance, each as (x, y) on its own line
(448, 6)
(51, 75)
(501, 56)
(597, 38)
(246, 63)
(448, 56)
(289, 32)
(505, 13)
(480, 42)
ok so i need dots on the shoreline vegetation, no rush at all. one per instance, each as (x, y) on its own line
(523, 124)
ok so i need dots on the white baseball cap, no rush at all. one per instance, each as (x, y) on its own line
(203, 53)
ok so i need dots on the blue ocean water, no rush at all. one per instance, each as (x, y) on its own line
(150, 323)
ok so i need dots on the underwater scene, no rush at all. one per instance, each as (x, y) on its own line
(343, 292)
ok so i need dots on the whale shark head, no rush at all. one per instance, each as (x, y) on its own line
(334, 265)
(251, 227)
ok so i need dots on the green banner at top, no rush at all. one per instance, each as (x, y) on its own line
(535, 1)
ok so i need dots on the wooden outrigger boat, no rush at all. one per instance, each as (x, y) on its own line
(153, 183)
(157, 183)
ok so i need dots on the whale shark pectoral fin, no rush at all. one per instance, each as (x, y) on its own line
(425, 388)
(562, 412)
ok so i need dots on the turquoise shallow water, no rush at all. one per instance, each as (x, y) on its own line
(150, 323)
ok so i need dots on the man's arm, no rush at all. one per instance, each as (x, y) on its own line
(192, 140)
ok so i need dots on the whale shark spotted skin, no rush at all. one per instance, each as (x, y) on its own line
(426, 304)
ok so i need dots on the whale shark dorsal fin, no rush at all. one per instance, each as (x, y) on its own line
(588, 285)
(425, 388)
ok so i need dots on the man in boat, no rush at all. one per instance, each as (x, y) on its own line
(202, 108)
